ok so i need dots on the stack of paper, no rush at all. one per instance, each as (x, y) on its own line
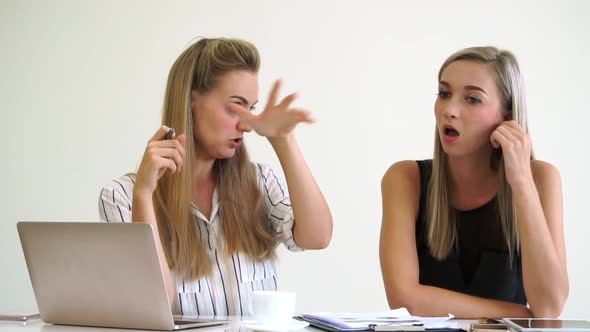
(393, 320)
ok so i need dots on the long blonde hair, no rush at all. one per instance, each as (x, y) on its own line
(242, 214)
(440, 217)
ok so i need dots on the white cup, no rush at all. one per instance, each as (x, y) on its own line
(273, 307)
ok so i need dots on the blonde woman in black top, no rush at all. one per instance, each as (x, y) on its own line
(478, 230)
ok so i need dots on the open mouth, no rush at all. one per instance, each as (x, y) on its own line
(450, 131)
(235, 142)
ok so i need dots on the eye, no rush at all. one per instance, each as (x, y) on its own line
(253, 109)
(443, 94)
(235, 103)
(473, 100)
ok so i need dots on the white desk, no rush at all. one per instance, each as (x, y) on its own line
(38, 326)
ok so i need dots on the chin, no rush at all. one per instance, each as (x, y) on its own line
(447, 149)
(453, 151)
(226, 154)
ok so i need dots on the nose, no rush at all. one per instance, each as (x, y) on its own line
(243, 127)
(451, 110)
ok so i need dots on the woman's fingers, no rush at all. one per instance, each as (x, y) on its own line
(160, 134)
(302, 115)
(171, 149)
(165, 164)
(498, 139)
(174, 155)
(287, 101)
(274, 93)
(164, 152)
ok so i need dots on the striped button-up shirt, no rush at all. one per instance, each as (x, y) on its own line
(227, 291)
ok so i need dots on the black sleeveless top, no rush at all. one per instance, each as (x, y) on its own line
(480, 263)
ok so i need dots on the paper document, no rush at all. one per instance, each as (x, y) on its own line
(392, 320)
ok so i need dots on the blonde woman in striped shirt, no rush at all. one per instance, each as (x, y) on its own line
(218, 217)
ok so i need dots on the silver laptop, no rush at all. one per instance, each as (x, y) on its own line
(99, 274)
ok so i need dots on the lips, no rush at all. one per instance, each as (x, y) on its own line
(450, 131)
(235, 142)
(449, 134)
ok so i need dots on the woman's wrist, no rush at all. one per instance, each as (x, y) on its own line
(141, 194)
(142, 201)
(281, 142)
(523, 186)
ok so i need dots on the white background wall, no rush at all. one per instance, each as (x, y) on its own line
(81, 86)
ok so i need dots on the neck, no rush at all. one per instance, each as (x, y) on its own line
(472, 172)
(202, 169)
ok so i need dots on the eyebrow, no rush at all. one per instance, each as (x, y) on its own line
(243, 100)
(467, 87)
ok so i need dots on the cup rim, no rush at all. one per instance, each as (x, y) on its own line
(269, 292)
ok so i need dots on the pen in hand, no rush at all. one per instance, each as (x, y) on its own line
(170, 133)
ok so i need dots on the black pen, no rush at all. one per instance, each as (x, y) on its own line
(170, 133)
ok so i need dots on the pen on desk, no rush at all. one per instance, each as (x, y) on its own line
(170, 133)
(397, 327)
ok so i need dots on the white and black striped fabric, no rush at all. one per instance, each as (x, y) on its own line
(227, 290)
